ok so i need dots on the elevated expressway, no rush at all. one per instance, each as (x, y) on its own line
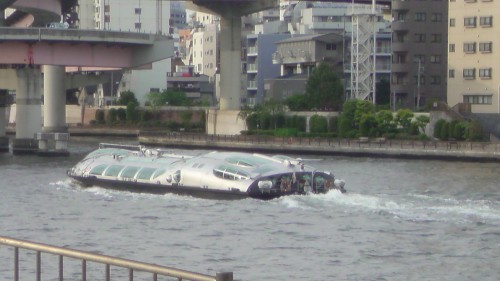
(30, 51)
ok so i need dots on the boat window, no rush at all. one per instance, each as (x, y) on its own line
(201, 166)
(129, 172)
(230, 173)
(177, 176)
(97, 170)
(158, 173)
(113, 170)
(145, 173)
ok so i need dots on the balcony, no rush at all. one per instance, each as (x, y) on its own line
(252, 51)
(252, 67)
(252, 85)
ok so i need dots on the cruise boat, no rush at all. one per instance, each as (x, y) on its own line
(220, 175)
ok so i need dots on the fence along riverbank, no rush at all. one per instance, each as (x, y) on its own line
(362, 147)
(106, 261)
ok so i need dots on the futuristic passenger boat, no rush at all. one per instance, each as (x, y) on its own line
(220, 175)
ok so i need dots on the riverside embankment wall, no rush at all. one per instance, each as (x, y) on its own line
(436, 150)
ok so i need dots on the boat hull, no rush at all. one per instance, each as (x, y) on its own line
(140, 187)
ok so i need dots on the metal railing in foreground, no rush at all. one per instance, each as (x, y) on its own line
(107, 261)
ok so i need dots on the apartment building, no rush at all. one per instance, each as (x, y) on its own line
(473, 55)
(419, 48)
(134, 16)
(259, 65)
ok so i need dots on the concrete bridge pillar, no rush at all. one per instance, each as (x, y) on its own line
(230, 63)
(28, 110)
(4, 140)
(54, 99)
(54, 137)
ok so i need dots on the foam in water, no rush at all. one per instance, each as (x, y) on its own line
(410, 207)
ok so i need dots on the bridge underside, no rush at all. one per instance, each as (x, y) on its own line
(83, 54)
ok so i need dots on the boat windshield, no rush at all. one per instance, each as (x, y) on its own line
(230, 173)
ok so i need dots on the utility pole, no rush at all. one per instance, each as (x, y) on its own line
(419, 72)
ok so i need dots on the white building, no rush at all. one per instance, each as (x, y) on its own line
(473, 55)
(204, 50)
(134, 16)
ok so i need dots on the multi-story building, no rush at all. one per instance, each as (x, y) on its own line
(473, 55)
(298, 56)
(196, 86)
(419, 48)
(134, 16)
(204, 49)
(259, 65)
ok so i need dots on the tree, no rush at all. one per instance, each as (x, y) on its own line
(403, 119)
(318, 124)
(385, 121)
(324, 89)
(346, 122)
(132, 114)
(421, 121)
(126, 97)
(155, 99)
(362, 107)
(244, 113)
(368, 125)
(298, 102)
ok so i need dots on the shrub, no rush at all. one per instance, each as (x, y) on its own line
(345, 127)
(286, 132)
(112, 116)
(438, 127)
(368, 125)
(443, 134)
(252, 121)
(318, 124)
(333, 125)
(475, 131)
(121, 114)
(451, 129)
(99, 116)
(132, 114)
(459, 132)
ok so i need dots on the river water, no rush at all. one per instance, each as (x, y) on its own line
(400, 220)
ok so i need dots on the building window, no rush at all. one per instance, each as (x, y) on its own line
(485, 73)
(137, 11)
(436, 38)
(470, 48)
(478, 99)
(486, 21)
(436, 17)
(435, 58)
(469, 73)
(435, 80)
(452, 22)
(137, 25)
(401, 17)
(419, 58)
(422, 79)
(485, 47)
(401, 37)
(399, 58)
(420, 16)
(451, 73)
(419, 38)
(470, 22)
(451, 48)
(331, 47)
